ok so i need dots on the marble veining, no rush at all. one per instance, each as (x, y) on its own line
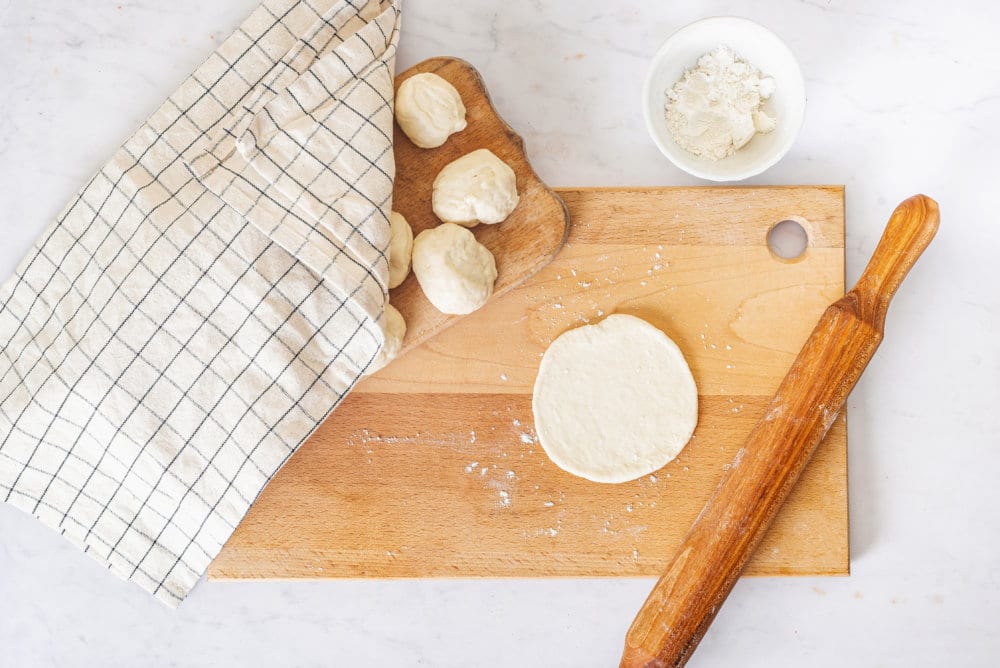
(903, 97)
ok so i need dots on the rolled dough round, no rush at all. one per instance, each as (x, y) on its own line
(614, 401)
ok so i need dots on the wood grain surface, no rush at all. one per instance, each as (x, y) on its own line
(521, 245)
(431, 468)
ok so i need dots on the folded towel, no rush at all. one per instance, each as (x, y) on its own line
(207, 299)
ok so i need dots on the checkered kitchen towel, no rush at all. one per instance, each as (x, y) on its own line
(208, 298)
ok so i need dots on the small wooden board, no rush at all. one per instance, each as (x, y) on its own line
(521, 245)
(431, 468)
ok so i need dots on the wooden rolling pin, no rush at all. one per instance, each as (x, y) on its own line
(684, 602)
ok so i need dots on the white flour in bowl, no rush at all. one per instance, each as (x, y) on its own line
(716, 107)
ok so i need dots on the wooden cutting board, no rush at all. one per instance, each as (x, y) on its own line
(432, 467)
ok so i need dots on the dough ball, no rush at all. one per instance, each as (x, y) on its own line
(456, 272)
(614, 401)
(429, 110)
(394, 328)
(400, 249)
(477, 188)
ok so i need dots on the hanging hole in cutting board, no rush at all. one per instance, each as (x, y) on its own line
(788, 240)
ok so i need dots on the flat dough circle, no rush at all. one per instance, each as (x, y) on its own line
(614, 401)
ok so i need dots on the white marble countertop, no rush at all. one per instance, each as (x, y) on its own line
(903, 97)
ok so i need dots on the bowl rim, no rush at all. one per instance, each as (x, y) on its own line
(755, 168)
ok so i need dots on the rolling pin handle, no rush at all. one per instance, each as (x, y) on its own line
(910, 230)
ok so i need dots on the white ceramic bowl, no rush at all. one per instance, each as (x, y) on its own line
(762, 49)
